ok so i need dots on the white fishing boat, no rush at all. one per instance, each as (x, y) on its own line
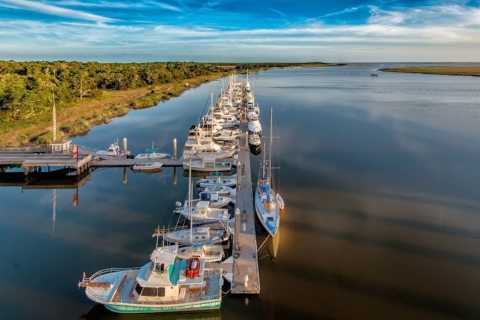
(112, 151)
(216, 199)
(202, 212)
(255, 127)
(208, 163)
(266, 201)
(230, 181)
(148, 167)
(194, 148)
(167, 283)
(222, 190)
(227, 135)
(252, 116)
(151, 154)
(199, 235)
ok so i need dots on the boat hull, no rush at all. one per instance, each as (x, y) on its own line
(184, 307)
(261, 216)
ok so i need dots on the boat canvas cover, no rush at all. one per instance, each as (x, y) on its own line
(175, 270)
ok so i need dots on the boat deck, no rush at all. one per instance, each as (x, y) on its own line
(126, 286)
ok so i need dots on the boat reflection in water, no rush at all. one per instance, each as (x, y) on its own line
(256, 150)
(43, 180)
(275, 244)
(98, 312)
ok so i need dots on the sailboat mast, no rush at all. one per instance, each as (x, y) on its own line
(271, 142)
(264, 161)
(190, 199)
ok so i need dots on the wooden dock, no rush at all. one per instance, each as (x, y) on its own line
(36, 161)
(31, 161)
(246, 276)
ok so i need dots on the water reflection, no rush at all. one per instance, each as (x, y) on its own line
(381, 180)
(98, 312)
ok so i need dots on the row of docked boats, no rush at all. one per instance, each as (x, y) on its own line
(253, 117)
(212, 143)
(177, 276)
(184, 272)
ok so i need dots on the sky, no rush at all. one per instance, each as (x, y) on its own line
(235, 31)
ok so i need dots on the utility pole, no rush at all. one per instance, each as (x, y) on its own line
(81, 88)
(54, 119)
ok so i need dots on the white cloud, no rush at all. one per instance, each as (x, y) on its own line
(447, 15)
(343, 11)
(119, 4)
(447, 33)
(55, 10)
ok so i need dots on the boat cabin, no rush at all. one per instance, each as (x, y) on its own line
(164, 278)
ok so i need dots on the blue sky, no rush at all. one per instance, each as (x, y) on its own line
(248, 30)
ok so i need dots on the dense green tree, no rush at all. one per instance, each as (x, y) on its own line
(26, 88)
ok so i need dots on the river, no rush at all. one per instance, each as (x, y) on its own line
(381, 183)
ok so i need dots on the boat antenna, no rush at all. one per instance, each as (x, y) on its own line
(264, 160)
(156, 234)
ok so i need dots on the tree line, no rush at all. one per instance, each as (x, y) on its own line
(29, 88)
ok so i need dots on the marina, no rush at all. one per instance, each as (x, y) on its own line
(356, 227)
(218, 146)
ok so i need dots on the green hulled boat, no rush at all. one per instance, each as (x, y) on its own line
(167, 283)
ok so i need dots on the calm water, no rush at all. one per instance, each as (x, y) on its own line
(381, 180)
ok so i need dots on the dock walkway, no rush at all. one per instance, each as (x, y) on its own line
(246, 277)
(31, 161)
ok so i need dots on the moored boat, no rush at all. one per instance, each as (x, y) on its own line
(202, 211)
(199, 235)
(266, 200)
(167, 283)
(217, 181)
(148, 167)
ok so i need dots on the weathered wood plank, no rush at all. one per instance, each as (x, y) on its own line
(246, 276)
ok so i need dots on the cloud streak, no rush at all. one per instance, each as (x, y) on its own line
(55, 10)
(120, 4)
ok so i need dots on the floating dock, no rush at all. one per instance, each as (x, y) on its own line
(246, 276)
(32, 161)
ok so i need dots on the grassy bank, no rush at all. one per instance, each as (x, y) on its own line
(113, 90)
(79, 117)
(438, 70)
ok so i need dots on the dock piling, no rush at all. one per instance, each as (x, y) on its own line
(125, 145)
(174, 152)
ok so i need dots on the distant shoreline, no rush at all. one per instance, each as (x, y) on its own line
(471, 71)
